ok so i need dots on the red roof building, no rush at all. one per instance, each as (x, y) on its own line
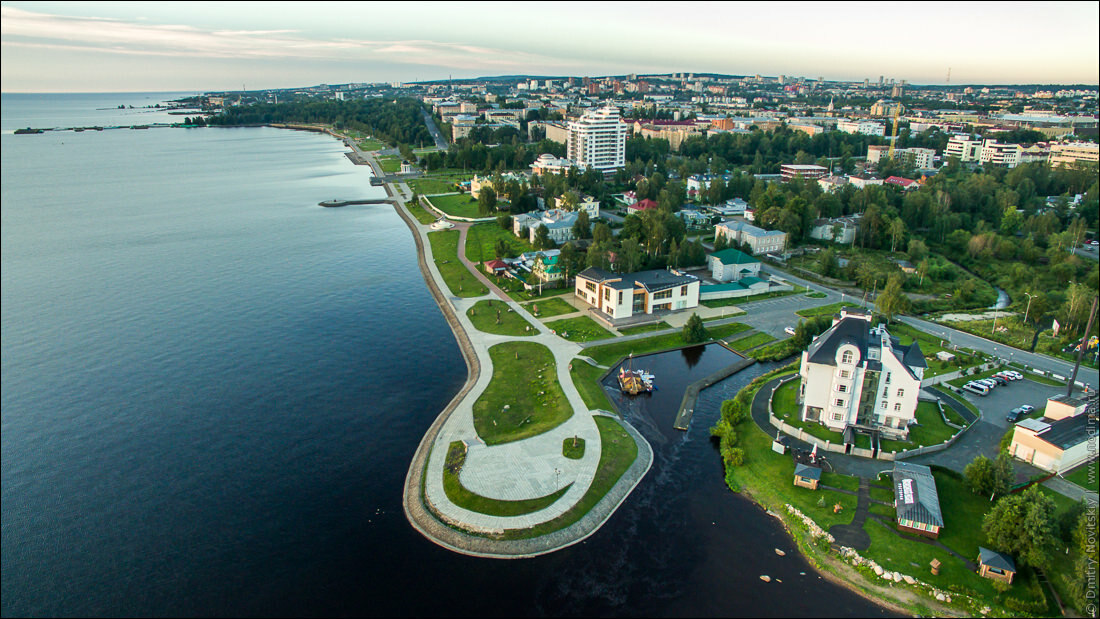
(904, 183)
(642, 205)
(495, 267)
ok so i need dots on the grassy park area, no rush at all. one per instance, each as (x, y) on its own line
(421, 215)
(524, 397)
(825, 310)
(391, 164)
(457, 205)
(547, 308)
(573, 448)
(459, 279)
(579, 329)
(496, 317)
(586, 379)
(608, 354)
(752, 341)
(482, 239)
(660, 326)
(617, 453)
(755, 297)
(370, 144)
(427, 186)
(462, 497)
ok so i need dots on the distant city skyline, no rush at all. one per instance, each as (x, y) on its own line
(167, 46)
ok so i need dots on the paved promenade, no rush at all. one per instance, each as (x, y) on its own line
(525, 469)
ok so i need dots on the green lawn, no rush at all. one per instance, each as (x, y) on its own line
(426, 186)
(496, 317)
(739, 312)
(608, 354)
(573, 448)
(528, 386)
(458, 205)
(586, 379)
(618, 452)
(931, 431)
(785, 405)
(579, 329)
(370, 144)
(1085, 476)
(816, 295)
(645, 328)
(951, 414)
(1044, 380)
(756, 339)
(390, 164)
(459, 279)
(755, 297)
(481, 240)
(420, 214)
(824, 310)
(460, 496)
(554, 306)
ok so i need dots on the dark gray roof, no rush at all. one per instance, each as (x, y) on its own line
(1067, 432)
(915, 495)
(653, 281)
(852, 331)
(992, 558)
(809, 472)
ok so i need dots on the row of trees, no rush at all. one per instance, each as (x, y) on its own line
(392, 121)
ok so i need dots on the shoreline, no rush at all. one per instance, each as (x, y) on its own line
(418, 508)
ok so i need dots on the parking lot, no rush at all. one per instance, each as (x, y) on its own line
(1004, 398)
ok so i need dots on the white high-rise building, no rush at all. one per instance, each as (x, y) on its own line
(598, 140)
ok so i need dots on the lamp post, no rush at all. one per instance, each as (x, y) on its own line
(1029, 295)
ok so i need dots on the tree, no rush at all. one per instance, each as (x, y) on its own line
(1023, 525)
(504, 220)
(542, 238)
(601, 233)
(1082, 584)
(892, 301)
(694, 331)
(582, 228)
(988, 477)
(486, 201)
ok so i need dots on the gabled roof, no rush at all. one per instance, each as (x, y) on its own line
(915, 495)
(992, 558)
(733, 256)
(643, 205)
(808, 472)
(852, 331)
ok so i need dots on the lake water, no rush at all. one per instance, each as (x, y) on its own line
(212, 388)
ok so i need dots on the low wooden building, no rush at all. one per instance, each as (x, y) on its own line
(995, 565)
(807, 476)
(916, 501)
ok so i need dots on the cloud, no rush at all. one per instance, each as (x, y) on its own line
(30, 30)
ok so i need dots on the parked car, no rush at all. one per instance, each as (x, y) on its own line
(1014, 375)
(789, 330)
(1014, 414)
(1000, 380)
(976, 387)
(1027, 408)
(988, 382)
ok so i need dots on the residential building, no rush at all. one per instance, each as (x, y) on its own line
(916, 501)
(547, 163)
(863, 127)
(547, 270)
(618, 296)
(759, 240)
(836, 229)
(730, 265)
(1070, 153)
(885, 107)
(963, 147)
(673, 131)
(831, 183)
(1004, 155)
(860, 182)
(588, 204)
(1060, 440)
(920, 158)
(793, 170)
(478, 182)
(904, 183)
(598, 140)
(641, 206)
(558, 222)
(856, 376)
(734, 207)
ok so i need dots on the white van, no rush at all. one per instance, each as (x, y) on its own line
(977, 388)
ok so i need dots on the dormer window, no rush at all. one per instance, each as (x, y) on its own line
(846, 357)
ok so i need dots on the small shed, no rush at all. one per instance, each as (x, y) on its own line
(943, 355)
(916, 501)
(807, 476)
(495, 267)
(995, 565)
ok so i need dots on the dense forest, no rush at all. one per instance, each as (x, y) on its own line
(392, 121)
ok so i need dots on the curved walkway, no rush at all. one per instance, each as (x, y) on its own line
(524, 469)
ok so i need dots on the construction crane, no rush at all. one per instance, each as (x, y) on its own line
(894, 132)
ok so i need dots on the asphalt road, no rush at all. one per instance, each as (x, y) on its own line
(440, 141)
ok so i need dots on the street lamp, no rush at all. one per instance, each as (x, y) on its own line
(1029, 295)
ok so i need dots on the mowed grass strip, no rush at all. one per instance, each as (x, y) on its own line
(608, 354)
(496, 317)
(467, 499)
(752, 341)
(526, 382)
(579, 329)
(586, 378)
(458, 278)
(618, 452)
(824, 310)
(428, 186)
(458, 205)
(660, 326)
(548, 308)
(481, 242)
(421, 215)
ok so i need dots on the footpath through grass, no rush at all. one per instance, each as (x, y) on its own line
(579, 329)
(467, 499)
(617, 454)
(608, 354)
(459, 279)
(496, 317)
(524, 398)
(548, 308)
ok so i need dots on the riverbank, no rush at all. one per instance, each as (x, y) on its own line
(428, 507)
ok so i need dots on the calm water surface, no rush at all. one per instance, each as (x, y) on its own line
(212, 388)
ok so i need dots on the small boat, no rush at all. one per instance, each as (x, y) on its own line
(633, 382)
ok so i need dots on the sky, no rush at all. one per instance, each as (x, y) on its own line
(209, 46)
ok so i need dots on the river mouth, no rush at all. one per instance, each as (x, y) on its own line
(653, 414)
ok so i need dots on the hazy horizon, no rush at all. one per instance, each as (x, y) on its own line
(52, 47)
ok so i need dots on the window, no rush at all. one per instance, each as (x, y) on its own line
(897, 406)
(683, 291)
(664, 294)
(845, 374)
(901, 393)
(590, 286)
(883, 405)
(888, 378)
(846, 357)
(842, 388)
(606, 294)
(839, 402)
(620, 297)
(837, 416)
